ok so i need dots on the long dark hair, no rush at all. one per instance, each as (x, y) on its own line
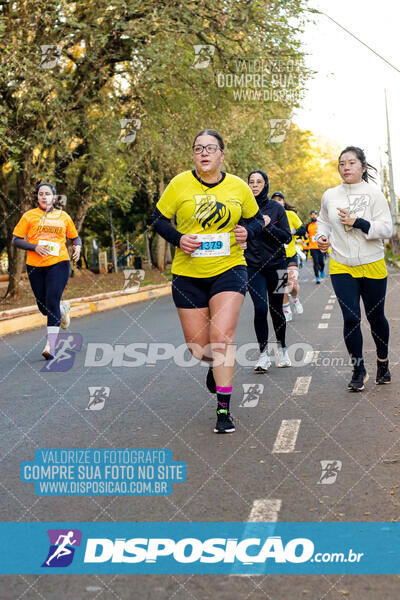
(288, 206)
(214, 134)
(370, 171)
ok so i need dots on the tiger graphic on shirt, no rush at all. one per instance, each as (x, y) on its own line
(208, 211)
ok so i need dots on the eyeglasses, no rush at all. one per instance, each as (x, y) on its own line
(210, 148)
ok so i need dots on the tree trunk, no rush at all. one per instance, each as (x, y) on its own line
(148, 252)
(395, 243)
(16, 259)
(168, 255)
(84, 197)
(160, 252)
(16, 256)
(161, 244)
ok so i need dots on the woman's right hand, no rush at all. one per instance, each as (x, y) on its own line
(323, 244)
(41, 250)
(267, 220)
(189, 243)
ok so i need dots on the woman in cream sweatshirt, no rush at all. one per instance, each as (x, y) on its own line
(354, 219)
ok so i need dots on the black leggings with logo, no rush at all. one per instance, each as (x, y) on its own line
(349, 290)
(267, 287)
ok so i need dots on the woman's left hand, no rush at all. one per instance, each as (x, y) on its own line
(241, 236)
(346, 218)
(77, 253)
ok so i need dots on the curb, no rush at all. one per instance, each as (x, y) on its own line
(81, 307)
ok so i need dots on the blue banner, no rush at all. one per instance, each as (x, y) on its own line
(200, 548)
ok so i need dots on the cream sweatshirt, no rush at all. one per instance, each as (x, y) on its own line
(350, 245)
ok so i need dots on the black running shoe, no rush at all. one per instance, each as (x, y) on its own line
(210, 381)
(224, 422)
(47, 352)
(382, 373)
(360, 376)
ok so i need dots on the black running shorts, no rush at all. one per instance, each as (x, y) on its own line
(195, 292)
(292, 261)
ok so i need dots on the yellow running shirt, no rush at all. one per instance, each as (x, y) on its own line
(294, 223)
(201, 210)
(41, 227)
(374, 270)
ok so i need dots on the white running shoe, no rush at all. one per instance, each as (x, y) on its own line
(65, 307)
(287, 311)
(298, 307)
(47, 352)
(283, 358)
(263, 363)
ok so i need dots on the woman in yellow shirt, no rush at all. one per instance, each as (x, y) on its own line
(209, 270)
(354, 219)
(42, 232)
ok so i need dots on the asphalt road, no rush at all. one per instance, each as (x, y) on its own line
(304, 415)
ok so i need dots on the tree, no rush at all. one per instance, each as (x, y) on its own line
(61, 111)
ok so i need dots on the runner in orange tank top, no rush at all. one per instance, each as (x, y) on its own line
(316, 254)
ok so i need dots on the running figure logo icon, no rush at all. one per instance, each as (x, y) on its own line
(62, 547)
(203, 54)
(251, 394)
(357, 205)
(97, 397)
(129, 127)
(50, 56)
(59, 206)
(278, 130)
(66, 346)
(282, 284)
(132, 283)
(330, 471)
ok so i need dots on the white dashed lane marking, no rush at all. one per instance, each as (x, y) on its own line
(265, 509)
(326, 315)
(322, 325)
(287, 435)
(302, 384)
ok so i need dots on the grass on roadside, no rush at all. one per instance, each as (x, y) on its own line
(83, 283)
(393, 259)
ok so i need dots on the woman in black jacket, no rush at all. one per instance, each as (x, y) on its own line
(267, 275)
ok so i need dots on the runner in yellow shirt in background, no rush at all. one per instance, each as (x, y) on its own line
(297, 229)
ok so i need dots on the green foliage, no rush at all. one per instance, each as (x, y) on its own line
(135, 60)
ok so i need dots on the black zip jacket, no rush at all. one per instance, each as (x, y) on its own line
(267, 248)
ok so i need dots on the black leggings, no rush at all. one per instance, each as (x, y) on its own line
(271, 281)
(48, 284)
(348, 290)
(318, 261)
